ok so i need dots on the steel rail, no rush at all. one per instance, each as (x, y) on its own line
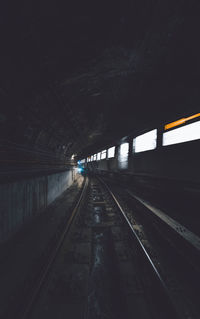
(36, 290)
(173, 311)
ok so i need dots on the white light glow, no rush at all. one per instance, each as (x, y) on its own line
(124, 149)
(98, 156)
(182, 134)
(103, 154)
(145, 142)
(123, 155)
(111, 152)
(92, 158)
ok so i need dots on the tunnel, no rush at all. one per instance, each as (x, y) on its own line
(99, 174)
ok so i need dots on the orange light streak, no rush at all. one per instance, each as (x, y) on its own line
(181, 121)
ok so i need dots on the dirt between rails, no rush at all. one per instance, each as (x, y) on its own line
(21, 257)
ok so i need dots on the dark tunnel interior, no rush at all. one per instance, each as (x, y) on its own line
(68, 70)
(78, 78)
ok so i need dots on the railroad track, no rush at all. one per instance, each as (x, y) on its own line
(173, 249)
(101, 267)
(34, 294)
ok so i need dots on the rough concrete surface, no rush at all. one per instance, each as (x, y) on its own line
(21, 257)
(22, 200)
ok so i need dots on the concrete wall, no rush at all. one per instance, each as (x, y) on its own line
(20, 201)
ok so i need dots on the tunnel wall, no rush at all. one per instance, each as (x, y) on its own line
(22, 200)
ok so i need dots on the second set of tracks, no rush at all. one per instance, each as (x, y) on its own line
(104, 266)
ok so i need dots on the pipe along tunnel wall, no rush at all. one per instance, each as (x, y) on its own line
(21, 200)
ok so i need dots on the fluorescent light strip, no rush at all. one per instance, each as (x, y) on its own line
(123, 155)
(111, 152)
(181, 121)
(103, 154)
(145, 142)
(124, 150)
(182, 134)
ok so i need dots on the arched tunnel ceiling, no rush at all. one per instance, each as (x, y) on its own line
(74, 77)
